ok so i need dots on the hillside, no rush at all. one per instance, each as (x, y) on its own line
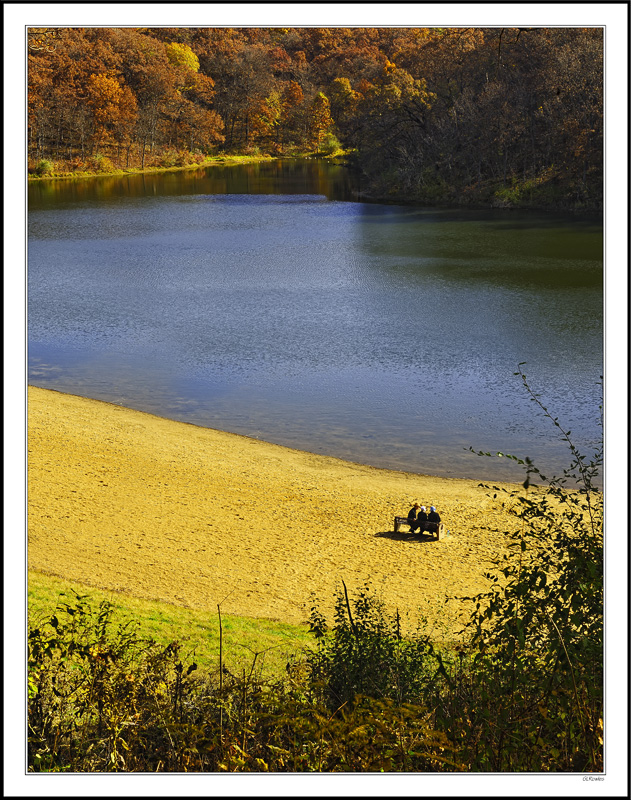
(495, 117)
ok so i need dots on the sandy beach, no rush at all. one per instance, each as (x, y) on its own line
(133, 503)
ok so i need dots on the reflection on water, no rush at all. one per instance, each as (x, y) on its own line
(281, 177)
(264, 300)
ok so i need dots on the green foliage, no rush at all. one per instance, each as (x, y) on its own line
(551, 595)
(101, 699)
(541, 190)
(44, 167)
(272, 642)
(298, 735)
(330, 144)
(90, 684)
(365, 654)
(538, 631)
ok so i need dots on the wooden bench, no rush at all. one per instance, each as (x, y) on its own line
(431, 527)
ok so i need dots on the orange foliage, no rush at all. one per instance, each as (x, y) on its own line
(475, 104)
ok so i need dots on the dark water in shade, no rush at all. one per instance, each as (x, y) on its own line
(266, 300)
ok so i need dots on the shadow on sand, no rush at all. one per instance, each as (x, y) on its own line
(402, 536)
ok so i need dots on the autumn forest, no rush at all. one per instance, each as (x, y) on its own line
(496, 117)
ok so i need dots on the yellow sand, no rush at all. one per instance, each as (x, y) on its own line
(134, 503)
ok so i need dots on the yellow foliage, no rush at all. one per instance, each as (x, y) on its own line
(182, 56)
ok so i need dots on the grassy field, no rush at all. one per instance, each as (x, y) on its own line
(196, 630)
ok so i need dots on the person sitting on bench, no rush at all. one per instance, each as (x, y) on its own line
(421, 518)
(433, 517)
(412, 518)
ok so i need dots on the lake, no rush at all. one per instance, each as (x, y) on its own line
(267, 300)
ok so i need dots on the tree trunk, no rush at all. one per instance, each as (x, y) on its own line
(232, 124)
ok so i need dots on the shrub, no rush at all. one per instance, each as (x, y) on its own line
(179, 158)
(330, 144)
(77, 165)
(292, 733)
(101, 699)
(365, 654)
(96, 692)
(100, 163)
(170, 158)
(537, 645)
(44, 167)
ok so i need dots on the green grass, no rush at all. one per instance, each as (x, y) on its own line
(220, 160)
(209, 161)
(196, 630)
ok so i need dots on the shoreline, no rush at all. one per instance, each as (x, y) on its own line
(212, 161)
(478, 201)
(135, 503)
(219, 161)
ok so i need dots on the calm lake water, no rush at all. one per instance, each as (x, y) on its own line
(267, 301)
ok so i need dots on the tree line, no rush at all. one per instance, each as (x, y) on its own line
(451, 115)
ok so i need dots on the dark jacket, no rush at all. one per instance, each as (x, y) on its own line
(412, 514)
(422, 517)
(434, 516)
